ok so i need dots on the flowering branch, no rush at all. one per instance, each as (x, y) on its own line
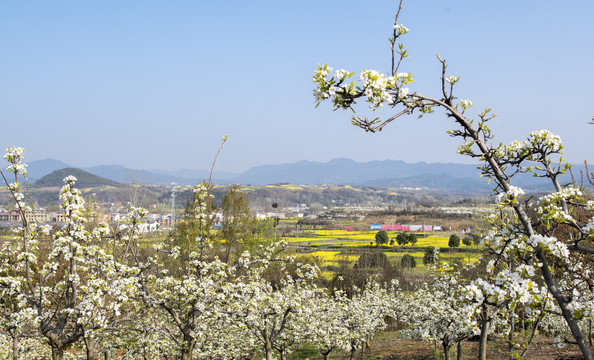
(533, 244)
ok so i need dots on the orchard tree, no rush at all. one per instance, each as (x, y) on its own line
(330, 332)
(431, 256)
(467, 241)
(402, 239)
(239, 226)
(366, 310)
(381, 237)
(557, 236)
(16, 318)
(276, 318)
(29, 348)
(73, 287)
(494, 304)
(373, 259)
(434, 312)
(454, 241)
(151, 336)
(115, 283)
(18, 256)
(408, 261)
(412, 238)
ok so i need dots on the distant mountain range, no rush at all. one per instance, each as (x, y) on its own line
(346, 171)
(461, 178)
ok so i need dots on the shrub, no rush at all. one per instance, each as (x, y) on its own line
(374, 259)
(408, 261)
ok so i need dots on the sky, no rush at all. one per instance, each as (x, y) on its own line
(156, 84)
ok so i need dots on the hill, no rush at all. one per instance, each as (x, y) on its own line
(84, 179)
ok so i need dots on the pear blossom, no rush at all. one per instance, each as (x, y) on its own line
(452, 79)
(400, 29)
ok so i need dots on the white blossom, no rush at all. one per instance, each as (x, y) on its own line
(400, 29)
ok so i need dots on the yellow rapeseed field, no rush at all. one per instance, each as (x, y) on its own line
(433, 240)
(360, 238)
(329, 257)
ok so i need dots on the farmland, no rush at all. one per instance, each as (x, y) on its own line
(330, 247)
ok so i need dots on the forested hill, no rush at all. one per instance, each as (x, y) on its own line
(83, 179)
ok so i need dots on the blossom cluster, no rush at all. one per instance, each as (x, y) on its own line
(549, 244)
(550, 207)
(510, 196)
(537, 142)
(400, 29)
(14, 156)
(379, 89)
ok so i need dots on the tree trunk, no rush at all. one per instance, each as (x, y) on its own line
(57, 353)
(590, 331)
(15, 346)
(484, 335)
(446, 350)
(562, 302)
(268, 348)
(92, 349)
(459, 351)
(188, 347)
(510, 345)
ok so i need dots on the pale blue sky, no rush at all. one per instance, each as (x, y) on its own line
(156, 84)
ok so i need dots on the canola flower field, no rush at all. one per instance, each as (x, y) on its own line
(331, 247)
(343, 238)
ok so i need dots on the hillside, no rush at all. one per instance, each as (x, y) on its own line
(84, 179)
